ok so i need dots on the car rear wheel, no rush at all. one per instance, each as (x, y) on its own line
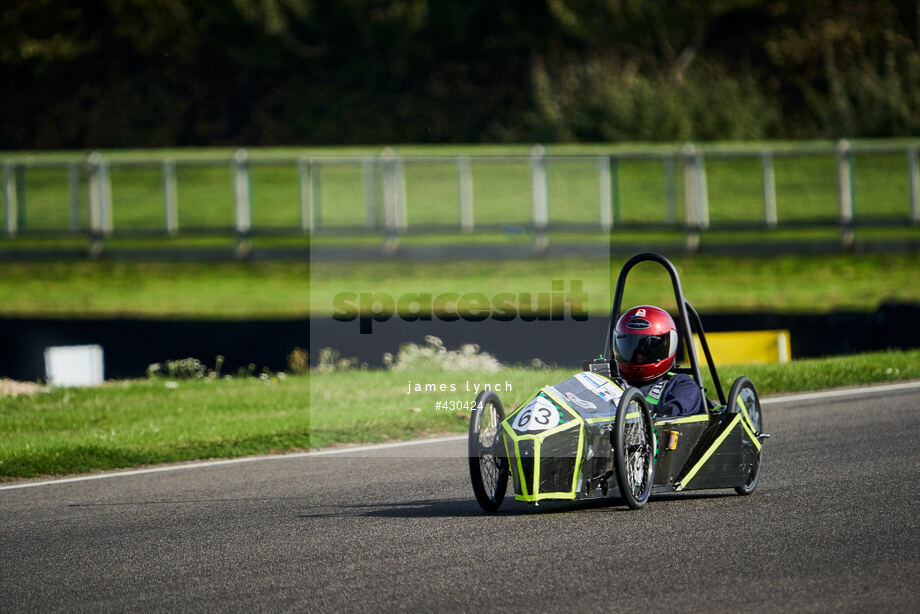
(488, 463)
(634, 448)
(743, 399)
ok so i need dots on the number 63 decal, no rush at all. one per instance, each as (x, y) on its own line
(539, 415)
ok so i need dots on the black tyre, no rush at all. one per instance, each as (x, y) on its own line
(743, 398)
(634, 448)
(488, 463)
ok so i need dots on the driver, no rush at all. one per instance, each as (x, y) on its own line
(645, 344)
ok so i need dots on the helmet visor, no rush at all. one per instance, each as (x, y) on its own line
(642, 349)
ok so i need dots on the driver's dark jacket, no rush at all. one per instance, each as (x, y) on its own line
(672, 394)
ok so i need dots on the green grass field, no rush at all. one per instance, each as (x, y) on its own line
(806, 187)
(130, 423)
(815, 284)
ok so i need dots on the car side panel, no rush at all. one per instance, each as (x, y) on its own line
(724, 462)
(670, 464)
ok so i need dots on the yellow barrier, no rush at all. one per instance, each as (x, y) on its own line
(758, 346)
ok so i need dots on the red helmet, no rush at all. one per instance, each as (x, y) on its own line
(645, 343)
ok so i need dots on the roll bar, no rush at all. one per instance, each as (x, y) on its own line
(687, 315)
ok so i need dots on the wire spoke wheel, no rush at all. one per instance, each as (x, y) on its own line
(634, 448)
(488, 464)
(743, 399)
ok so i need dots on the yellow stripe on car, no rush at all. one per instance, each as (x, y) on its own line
(715, 446)
(747, 417)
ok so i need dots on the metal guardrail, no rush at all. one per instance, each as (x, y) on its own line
(384, 176)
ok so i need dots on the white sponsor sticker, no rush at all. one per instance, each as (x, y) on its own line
(538, 415)
(599, 386)
(579, 401)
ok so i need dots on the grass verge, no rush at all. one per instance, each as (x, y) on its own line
(815, 283)
(130, 423)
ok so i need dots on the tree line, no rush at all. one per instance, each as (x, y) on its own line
(145, 73)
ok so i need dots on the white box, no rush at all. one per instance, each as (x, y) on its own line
(74, 365)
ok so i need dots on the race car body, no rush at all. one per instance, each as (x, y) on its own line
(592, 435)
(558, 444)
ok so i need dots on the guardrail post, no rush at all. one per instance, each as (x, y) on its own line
(769, 190)
(243, 203)
(605, 192)
(691, 198)
(306, 195)
(702, 190)
(170, 198)
(845, 191)
(96, 225)
(615, 187)
(20, 173)
(914, 174)
(370, 193)
(466, 194)
(316, 192)
(95, 204)
(390, 201)
(390, 197)
(9, 195)
(402, 206)
(105, 186)
(670, 189)
(73, 182)
(539, 186)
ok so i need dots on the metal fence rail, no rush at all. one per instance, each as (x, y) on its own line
(369, 195)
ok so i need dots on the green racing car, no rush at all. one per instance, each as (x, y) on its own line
(593, 435)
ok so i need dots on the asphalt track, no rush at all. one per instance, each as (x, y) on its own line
(833, 526)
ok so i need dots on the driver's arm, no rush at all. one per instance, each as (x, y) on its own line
(682, 398)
